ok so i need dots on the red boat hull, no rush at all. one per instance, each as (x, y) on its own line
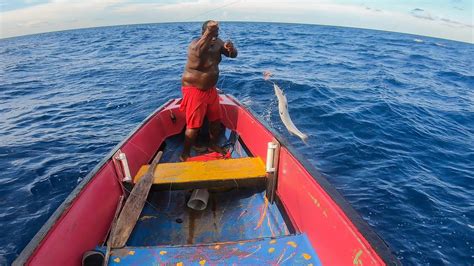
(336, 232)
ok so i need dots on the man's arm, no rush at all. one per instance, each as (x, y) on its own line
(229, 50)
(204, 42)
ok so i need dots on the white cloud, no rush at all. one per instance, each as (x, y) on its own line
(423, 14)
(68, 14)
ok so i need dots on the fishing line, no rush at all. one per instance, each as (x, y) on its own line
(146, 201)
(130, 192)
(212, 10)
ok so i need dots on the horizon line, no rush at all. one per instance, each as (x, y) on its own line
(233, 21)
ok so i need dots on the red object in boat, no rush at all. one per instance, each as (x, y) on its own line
(208, 157)
(312, 206)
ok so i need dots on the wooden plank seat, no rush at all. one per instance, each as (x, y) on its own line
(238, 172)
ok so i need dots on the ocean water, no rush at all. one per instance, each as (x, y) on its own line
(390, 118)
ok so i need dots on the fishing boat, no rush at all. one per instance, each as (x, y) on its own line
(261, 203)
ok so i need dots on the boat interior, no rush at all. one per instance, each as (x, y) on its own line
(237, 225)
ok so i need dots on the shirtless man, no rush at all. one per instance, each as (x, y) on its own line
(200, 97)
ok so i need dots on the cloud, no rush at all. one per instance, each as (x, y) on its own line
(373, 9)
(53, 16)
(71, 14)
(421, 13)
(33, 1)
(454, 23)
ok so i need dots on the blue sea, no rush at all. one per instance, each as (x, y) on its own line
(390, 118)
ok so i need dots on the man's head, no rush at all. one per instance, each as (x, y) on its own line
(206, 23)
(204, 26)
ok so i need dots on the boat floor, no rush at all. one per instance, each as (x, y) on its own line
(231, 215)
(237, 214)
(287, 250)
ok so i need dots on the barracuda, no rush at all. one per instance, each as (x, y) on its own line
(285, 115)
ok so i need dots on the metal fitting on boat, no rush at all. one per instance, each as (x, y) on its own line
(270, 167)
(126, 170)
(198, 200)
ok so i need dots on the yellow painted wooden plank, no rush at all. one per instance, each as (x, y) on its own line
(239, 168)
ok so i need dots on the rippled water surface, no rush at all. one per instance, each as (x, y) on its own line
(390, 118)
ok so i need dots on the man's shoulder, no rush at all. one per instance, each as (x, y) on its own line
(220, 42)
(193, 41)
(192, 44)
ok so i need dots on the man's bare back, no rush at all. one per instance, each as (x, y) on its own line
(204, 56)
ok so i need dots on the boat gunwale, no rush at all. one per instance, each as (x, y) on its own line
(377, 243)
(35, 242)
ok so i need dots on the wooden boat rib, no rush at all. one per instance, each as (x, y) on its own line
(294, 216)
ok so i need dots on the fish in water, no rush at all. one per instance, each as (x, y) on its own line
(285, 115)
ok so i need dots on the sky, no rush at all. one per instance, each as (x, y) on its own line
(447, 19)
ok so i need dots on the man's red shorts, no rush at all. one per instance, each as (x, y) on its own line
(198, 103)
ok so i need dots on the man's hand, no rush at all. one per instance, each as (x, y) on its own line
(229, 46)
(229, 49)
(212, 26)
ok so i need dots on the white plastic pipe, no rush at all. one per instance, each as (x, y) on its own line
(123, 159)
(198, 200)
(270, 168)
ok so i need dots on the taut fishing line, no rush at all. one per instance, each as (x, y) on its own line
(212, 10)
